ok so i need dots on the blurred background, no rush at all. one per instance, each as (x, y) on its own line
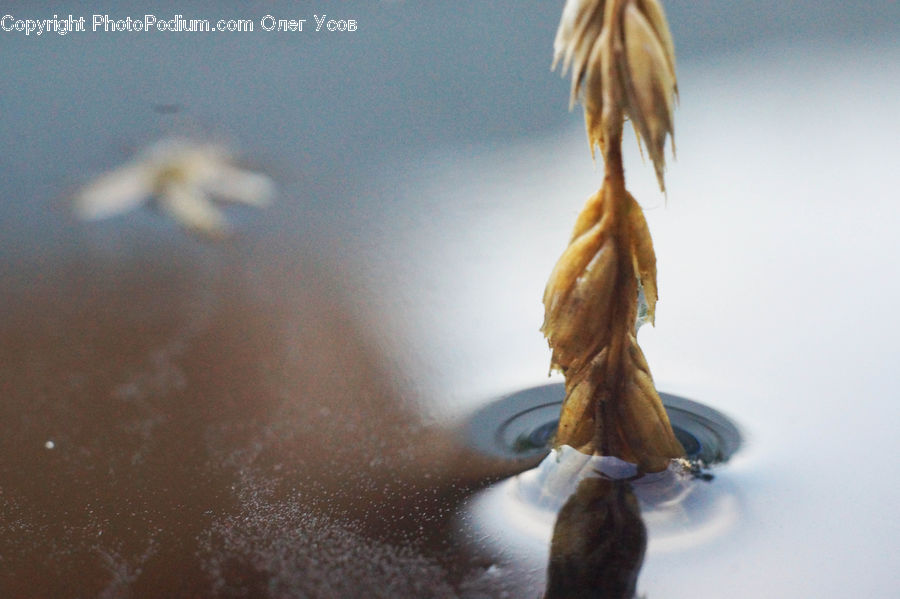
(429, 174)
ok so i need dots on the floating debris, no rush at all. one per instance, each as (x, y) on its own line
(182, 177)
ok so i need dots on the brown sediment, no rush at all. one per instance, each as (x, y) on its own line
(179, 421)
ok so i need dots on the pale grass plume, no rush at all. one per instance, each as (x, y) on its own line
(183, 176)
(622, 62)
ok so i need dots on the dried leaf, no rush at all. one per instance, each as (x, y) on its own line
(656, 16)
(644, 256)
(578, 295)
(183, 176)
(622, 62)
(238, 186)
(632, 425)
(643, 422)
(115, 192)
(649, 87)
(193, 209)
(577, 421)
(579, 28)
(611, 405)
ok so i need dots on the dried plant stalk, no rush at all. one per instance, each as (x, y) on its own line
(622, 60)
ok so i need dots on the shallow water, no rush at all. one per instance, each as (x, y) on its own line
(197, 443)
(283, 414)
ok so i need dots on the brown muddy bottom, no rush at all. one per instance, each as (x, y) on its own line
(180, 420)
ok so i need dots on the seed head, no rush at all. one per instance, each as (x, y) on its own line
(622, 61)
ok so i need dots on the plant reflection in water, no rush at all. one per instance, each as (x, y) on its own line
(598, 514)
(599, 542)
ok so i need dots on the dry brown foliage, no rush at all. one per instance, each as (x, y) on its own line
(622, 61)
